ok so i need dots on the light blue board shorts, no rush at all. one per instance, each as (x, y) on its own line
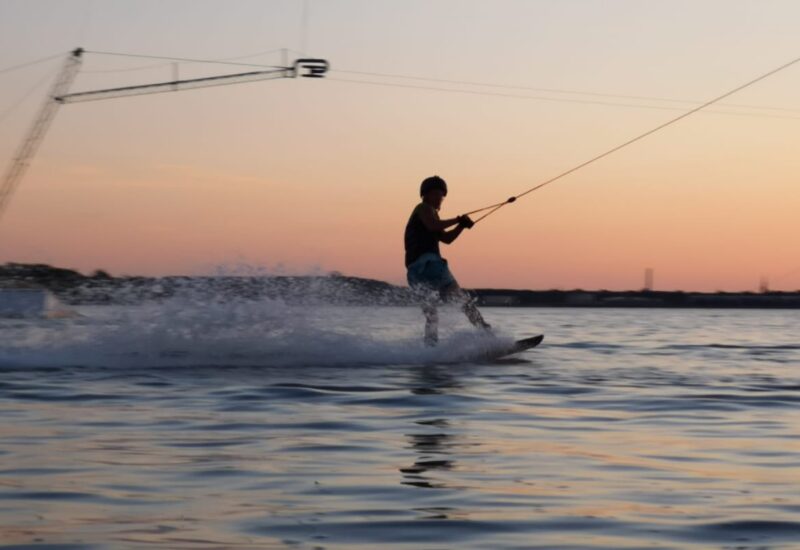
(430, 270)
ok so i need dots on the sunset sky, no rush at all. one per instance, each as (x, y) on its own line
(310, 176)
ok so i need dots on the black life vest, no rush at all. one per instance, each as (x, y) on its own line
(419, 239)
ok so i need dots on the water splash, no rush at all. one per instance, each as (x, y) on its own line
(193, 329)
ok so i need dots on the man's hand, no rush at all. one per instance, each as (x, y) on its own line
(465, 222)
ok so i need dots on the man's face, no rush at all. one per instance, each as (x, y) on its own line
(434, 197)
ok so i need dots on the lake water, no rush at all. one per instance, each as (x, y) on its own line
(262, 425)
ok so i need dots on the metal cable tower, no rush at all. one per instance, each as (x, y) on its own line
(306, 67)
(37, 131)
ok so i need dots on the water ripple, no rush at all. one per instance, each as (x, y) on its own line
(627, 429)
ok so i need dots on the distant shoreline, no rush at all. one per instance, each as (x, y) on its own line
(75, 288)
(638, 299)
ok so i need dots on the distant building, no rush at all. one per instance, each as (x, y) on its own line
(648, 279)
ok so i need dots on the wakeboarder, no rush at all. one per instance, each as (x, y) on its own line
(428, 273)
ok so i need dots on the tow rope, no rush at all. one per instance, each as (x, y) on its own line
(495, 207)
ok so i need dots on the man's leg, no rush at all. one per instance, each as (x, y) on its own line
(470, 309)
(468, 305)
(431, 323)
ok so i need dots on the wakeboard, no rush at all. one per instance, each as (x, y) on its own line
(519, 346)
(504, 350)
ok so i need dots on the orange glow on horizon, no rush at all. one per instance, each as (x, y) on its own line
(307, 176)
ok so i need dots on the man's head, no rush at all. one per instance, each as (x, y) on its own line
(433, 191)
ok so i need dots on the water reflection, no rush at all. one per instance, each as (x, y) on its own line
(430, 448)
(433, 439)
(433, 380)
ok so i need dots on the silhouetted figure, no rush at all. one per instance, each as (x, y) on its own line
(427, 270)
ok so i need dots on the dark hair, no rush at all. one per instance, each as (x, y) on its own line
(433, 182)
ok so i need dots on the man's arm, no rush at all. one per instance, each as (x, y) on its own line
(464, 222)
(448, 237)
(430, 218)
